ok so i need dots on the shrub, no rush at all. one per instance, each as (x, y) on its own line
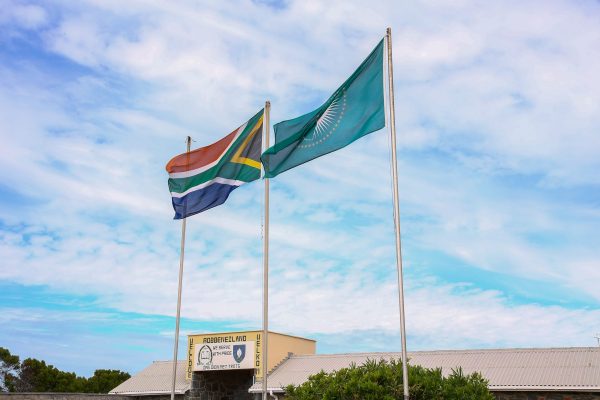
(382, 380)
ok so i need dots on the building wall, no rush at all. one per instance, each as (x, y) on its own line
(280, 345)
(82, 396)
(155, 397)
(546, 396)
(523, 396)
(221, 385)
(60, 396)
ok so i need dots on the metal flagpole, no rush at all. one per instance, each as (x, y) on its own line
(396, 210)
(265, 339)
(189, 143)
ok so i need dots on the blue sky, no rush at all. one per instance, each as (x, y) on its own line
(498, 120)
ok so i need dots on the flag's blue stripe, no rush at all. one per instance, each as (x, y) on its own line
(201, 200)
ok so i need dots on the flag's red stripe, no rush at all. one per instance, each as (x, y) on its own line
(199, 157)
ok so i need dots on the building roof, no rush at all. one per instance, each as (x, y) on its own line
(553, 369)
(155, 379)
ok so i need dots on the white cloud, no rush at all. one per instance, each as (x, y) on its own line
(28, 16)
(521, 87)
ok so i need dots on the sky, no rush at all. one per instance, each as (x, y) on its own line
(498, 124)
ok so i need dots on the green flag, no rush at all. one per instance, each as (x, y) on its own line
(354, 110)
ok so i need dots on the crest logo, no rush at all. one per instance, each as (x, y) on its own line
(239, 352)
(205, 356)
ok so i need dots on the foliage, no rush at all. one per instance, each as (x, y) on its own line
(33, 375)
(37, 376)
(9, 366)
(383, 381)
(104, 380)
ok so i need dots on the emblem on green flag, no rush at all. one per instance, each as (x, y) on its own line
(354, 110)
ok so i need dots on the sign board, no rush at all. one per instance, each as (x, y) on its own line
(223, 356)
(195, 342)
(241, 350)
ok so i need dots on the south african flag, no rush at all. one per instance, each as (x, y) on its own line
(203, 178)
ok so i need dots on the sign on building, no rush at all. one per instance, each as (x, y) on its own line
(241, 350)
(222, 356)
(251, 358)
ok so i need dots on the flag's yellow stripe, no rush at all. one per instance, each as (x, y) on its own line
(237, 158)
(247, 161)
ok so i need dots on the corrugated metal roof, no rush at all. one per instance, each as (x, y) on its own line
(155, 379)
(573, 369)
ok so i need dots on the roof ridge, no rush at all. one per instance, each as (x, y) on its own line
(472, 351)
(279, 364)
(167, 361)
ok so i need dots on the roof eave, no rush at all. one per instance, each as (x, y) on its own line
(492, 389)
(273, 389)
(544, 388)
(148, 393)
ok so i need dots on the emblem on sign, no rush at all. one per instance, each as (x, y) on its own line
(239, 352)
(205, 355)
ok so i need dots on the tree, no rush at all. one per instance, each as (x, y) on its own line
(33, 375)
(9, 369)
(381, 380)
(37, 376)
(104, 380)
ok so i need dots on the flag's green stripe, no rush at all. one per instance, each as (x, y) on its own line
(240, 172)
(223, 168)
(251, 124)
(248, 173)
(180, 185)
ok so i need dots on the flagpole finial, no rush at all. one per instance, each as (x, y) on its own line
(388, 31)
(268, 103)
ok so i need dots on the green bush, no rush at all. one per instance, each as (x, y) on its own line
(382, 380)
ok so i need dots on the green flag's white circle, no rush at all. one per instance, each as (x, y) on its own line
(327, 123)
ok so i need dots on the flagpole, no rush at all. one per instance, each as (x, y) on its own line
(396, 211)
(181, 254)
(265, 339)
